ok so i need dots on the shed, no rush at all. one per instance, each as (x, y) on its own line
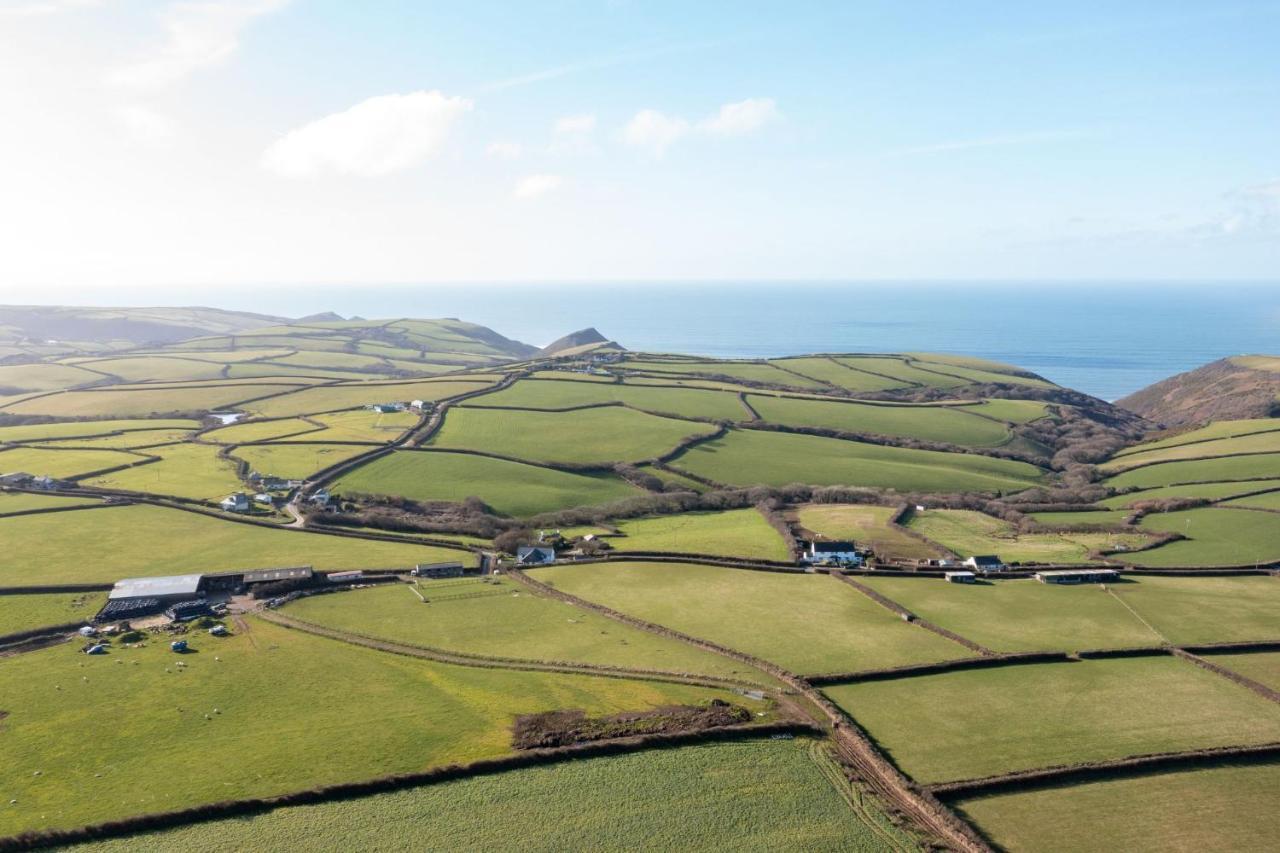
(438, 570)
(272, 575)
(960, 577)
(1072, 576)
(344, 577)
(168, 588)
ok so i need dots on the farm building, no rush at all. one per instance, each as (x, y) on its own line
(344, 577)
(528, 556)
(419, 405)
(134, 597)
(985, 563)
(1078, 576)
(15, 478)
(320, 497)
(832, 552)
(386, 408)
(437, 570)
(960, 577)
(183, 611)
(239, 502)
(272, 575)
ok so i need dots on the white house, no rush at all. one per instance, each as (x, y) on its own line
(845, 553)
(419, 405)
(527, 556)
(985, 563)
(239, 502)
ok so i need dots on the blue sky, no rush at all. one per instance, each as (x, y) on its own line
(315, 141)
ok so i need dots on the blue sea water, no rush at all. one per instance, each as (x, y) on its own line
(1107, 339)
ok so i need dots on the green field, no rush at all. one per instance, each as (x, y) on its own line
(329, 398)
(806, 623)
(750, 371)
(148, 368)
(361, 425)
(1215, 430)
(45, 377)
(866, 525)
(136, 541)
(969, 533)
(22, 501)
(63, 463)
(976, 723)
(1022, 615)
(1263, 667)
(1191, 611)
(133, 439)
(140, 401)
(748, 796)
(612, 434)
(1214, 808)
(1013, 411)
(1208, 491)
(745, 457)
(951, 424)
(388, 714)
(261, 430)
(1070, 520)
(841, 376)
(1200, 471)
(24, 612)
(1215, 537)
(1267, 500)
(516, 624)
(900, 370)
(734, 533)
(296, 461)
(686, 402)
(74, 429)
(510, 488)
(1261, 442)
(184, 470)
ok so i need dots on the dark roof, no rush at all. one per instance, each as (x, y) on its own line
(454, 564)
(833, 547)
(527, 554)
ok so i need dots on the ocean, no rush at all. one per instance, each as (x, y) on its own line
(1106, 339)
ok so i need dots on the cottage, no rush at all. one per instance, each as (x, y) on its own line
(985, 563)
(843, 553)
(960, 577)
(1072, 576)
(437, 570)
(239, 502)
(528, 556)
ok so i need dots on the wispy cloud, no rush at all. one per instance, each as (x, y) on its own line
(656, 131)
(532, 186)
(998, 141)
(198, 35)
(741, 117)
(146, 126)
(375, 137)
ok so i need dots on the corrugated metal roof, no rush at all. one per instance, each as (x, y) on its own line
(155, 587)
(277, 574)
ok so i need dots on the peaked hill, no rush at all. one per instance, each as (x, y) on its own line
(1246, 386)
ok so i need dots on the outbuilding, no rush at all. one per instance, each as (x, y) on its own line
(1073, 576)
(960, 577)
(437, 570)
(533, 556)
(239, 502)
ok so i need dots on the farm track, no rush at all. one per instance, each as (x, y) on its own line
(519, 664)
(856, 749)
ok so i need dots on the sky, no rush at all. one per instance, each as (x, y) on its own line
(291, 143)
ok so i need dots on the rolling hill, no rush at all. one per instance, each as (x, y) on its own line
(1234, 388)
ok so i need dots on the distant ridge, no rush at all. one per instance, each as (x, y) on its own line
(1245, 386)
(322, 317)
(583, 338)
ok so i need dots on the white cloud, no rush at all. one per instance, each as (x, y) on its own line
(504, 150)
(198, 35)
(576, 124)
(654, 131)
(41, 8)
(741, 117)
(146, 126)
(375, 137)
(536, 185)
